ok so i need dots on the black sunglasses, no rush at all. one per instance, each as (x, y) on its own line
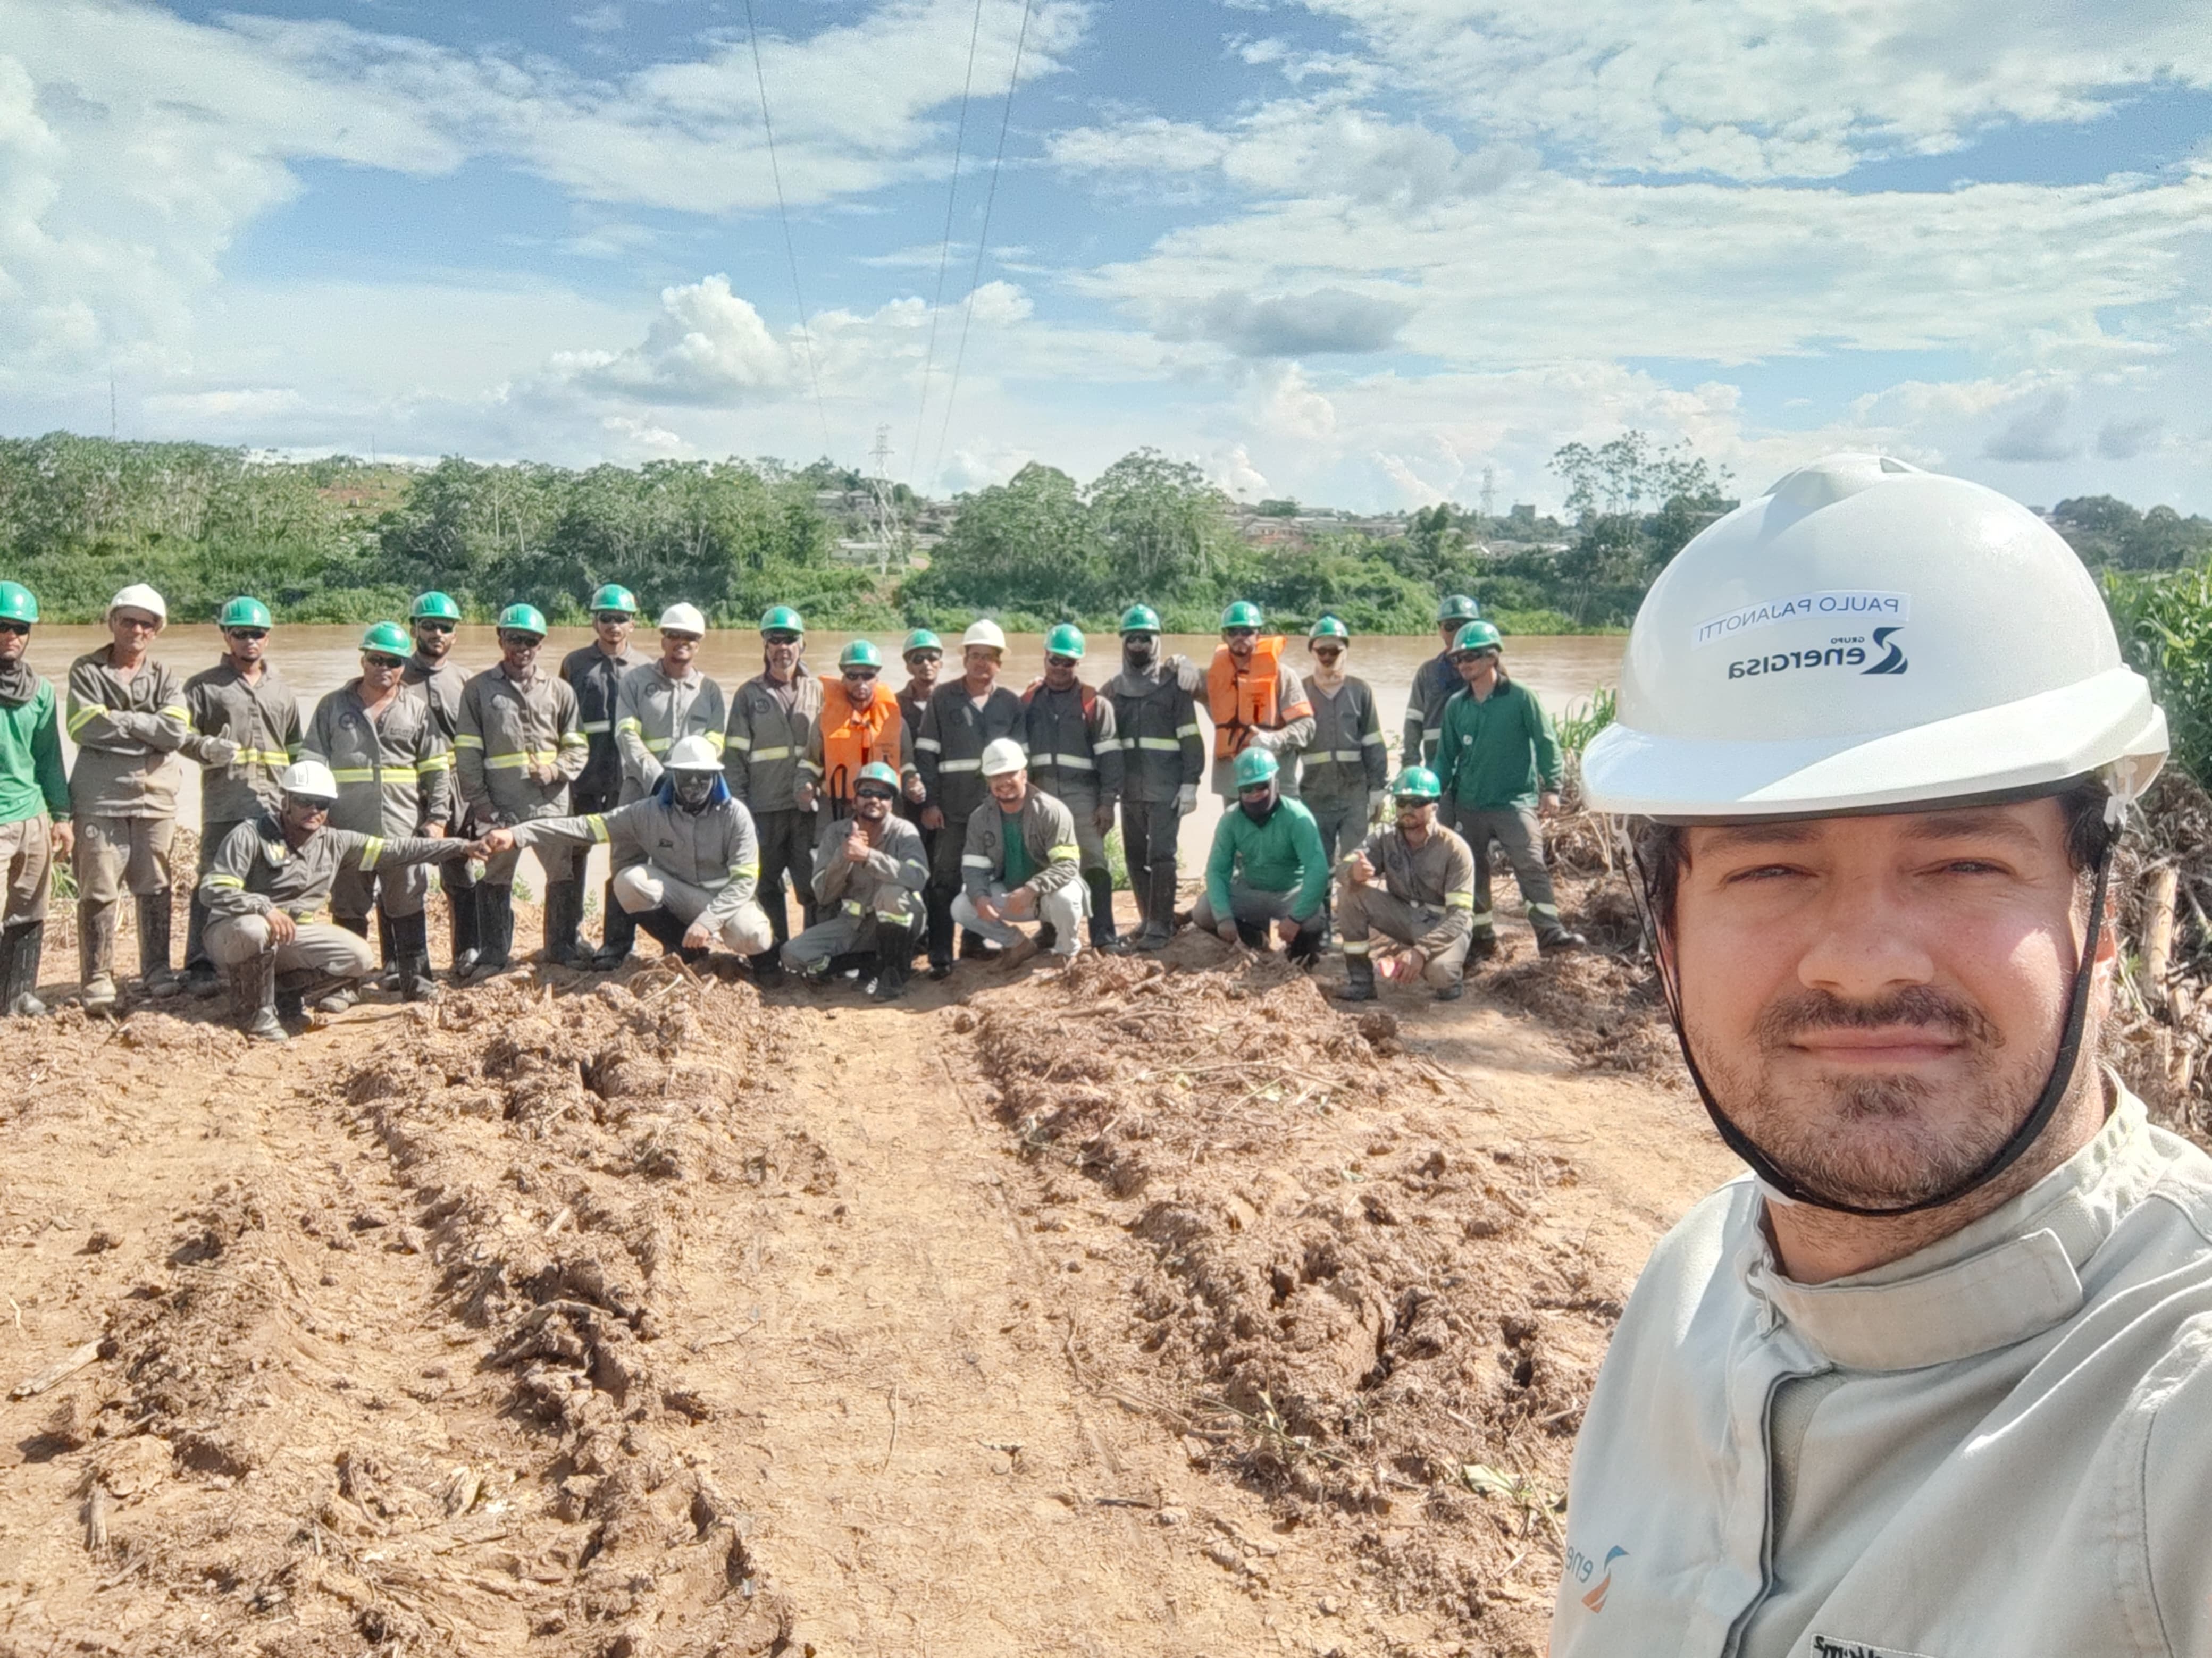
(875, 792)
(859, 673)
(435, 627)
(378, 659)
(15, 627)
(247, 632)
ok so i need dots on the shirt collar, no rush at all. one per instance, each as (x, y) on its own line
(2012, 1274)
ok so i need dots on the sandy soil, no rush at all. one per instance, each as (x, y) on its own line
(640, 1318)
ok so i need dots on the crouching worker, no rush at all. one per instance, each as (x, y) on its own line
(269, 875)
(1414, 884)
(688, 857)
(869, 872)
(1020, 863)
(1267, 864)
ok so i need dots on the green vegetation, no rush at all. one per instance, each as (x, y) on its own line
(2165, 624)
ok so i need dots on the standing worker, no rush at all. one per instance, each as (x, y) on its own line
(385, 749)
(433, 618)
(869, 872)
(859, 726)
(247, 724)
(595, 672)
(1344, 772)
(1019, 862)
(1266, 866)
(1933, 1377)
(1436, 682)
(1253, 697)
(1075, 757)
(519, 744)
(962, 720)
(769, 718)
(271, 876)
(660, 703)
(1162, 758)
(35, 805)
(686, 854)
(127, 714)
(1499, 765)
(1414, 884)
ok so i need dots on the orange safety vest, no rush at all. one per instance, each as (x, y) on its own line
(1241, 703)
(855, 736)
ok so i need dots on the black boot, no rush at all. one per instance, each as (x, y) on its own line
(768, 966)
(410, 936)
(894, 957)
(1452, 992)
(1103, 933)
(1560, 943)
(387, 953)
(1358, 979)
(461, 908)
(201, 980)
(155, 975)
(21, 946)
(494, 930)
(617, 933)
(254, 997)
(1252, 936)
(660, 925)
(1305, 948)
(1483, 947)
(564, 916)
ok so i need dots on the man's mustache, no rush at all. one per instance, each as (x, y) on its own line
(1788, 1017)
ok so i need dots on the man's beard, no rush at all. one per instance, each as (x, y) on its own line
(1873, 1141)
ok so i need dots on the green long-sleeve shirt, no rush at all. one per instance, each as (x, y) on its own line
(1499, 751)
(1283, 853)
(31, 781)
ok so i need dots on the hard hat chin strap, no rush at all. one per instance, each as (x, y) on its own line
(2054, 1087)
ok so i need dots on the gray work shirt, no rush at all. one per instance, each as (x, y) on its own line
(255, 871)
(1345, 759)
(506, 725)
(717, 850)
(767, 739)
(653, 712)
(393, 771)
(1048, 831)
(127, 731)
(263, 717)
(1436, 877)
(897, 870)
(948, 750)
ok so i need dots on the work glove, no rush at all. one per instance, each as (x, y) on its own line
(218, 751)
(1187, 798)
(1378, 804)
(1187, 673)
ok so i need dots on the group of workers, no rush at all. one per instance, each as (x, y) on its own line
(951, 810)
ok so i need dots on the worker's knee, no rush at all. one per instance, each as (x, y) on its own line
(233, 940)
(748, 932)
(637, 889)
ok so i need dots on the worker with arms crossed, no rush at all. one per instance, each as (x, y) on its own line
(1935, 1376)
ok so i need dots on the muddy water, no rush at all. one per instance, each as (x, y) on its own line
(315, 660)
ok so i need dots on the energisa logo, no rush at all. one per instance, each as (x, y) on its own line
(1882, 654)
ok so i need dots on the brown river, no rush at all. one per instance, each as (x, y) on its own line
(1561, 670)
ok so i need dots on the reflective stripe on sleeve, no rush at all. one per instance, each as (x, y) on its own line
(1357, 946)
(519, 761)
(974, 860)
(83, 716)
(1373, 740)
(177, 711)
(393, 774)
(597, 823)
(225, 881)
(1063, 854)
(961, 765)
(635, 728)
(751, 869)
(1071, 763)
(596, 727)
(464, 740)
(1459, 901)
(1162, 745)
(717, 738)
(372, 852)
(576, 740)
(435, 763)
(742, 745)
(783, 753)
(929, 743)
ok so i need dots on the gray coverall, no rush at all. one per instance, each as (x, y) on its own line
(860, 902)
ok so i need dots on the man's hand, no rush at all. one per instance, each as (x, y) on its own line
(434, 831)
(1228, 931)
(482, 851)
(1103, 820)
(1287, 929)
(698, 935)
(1547, 802)
(1187, 798)
(218, 751)
(542, 775)
(931, 819)
(494, 842)
(915, 793)
(856, 845)
(1358, 870)
(1187, 673)
(988, 908)
(64, 836)
(1378, 805)
(803, 797)
(283, 929)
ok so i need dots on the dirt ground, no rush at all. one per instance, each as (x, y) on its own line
(1159, 1306)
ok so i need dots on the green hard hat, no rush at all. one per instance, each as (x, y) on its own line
(522, 619)
(17, 603)
(243, 612)
(876, 772)
(434, 607)
(1329, 627)
(1417, 783)
(781, 618)
(1254, 767)
(921, 640)
(1242, 614)
(1065, 640)
(859, 654)
(614, 597)
(1478, 636)
(387, 639)
(1141, 619)
(1459, 608)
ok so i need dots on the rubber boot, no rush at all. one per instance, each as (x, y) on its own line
(564, 916)
(1359, 980)
(1103, 933)
(155, 975)
(1252, 936)
(95, 956)
(1483, 947)
(1306, 949)
(22, 945)
(618, 935)
(659, 924)
(768, 966)
(254, 998)
(201, 980)
(1452, 992)
(1160, 913)
(387, 953)
(494, 930)
(937, 905)
(461, 907)
(411, 936)
(1560, 941)
(894, 959)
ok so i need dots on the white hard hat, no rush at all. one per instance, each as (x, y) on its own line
(683, 619)
(984, 633)
(1866, 635)
(309, 779)
(692, 753)
(140, 596)
(1003, 755)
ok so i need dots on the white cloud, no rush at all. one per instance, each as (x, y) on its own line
(706, 347)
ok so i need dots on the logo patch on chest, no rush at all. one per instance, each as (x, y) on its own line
(1826, 1646)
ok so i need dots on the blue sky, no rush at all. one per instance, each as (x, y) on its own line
(1361, 252)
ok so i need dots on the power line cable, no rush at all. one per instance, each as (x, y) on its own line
(945, 253)
(982, 241)
(790, 249)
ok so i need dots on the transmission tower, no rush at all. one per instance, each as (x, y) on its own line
(886, 503)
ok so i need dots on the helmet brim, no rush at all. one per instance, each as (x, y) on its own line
(2106, 725)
